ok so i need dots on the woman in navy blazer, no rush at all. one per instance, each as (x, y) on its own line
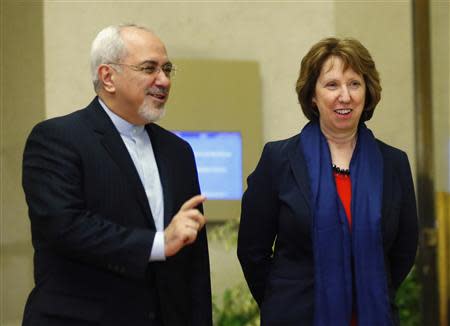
(329, 223)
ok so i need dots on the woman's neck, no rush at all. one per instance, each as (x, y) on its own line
(341, 146)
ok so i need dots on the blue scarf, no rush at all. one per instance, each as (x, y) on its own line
(338, 286)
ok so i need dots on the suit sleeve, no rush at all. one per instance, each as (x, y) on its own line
(258, 225)
(201, 308)
(403, 252)
(60, 220)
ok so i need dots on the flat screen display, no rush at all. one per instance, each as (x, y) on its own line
(219, 162)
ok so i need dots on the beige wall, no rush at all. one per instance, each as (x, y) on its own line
(275, 34)
(22, 104)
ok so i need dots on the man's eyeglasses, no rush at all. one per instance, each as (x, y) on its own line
(168, 69)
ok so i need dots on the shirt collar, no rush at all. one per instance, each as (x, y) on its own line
(123, 126)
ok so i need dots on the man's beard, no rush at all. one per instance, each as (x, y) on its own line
(150, 113)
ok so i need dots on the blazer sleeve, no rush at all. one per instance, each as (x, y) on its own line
(403, 251)
(60, 220)
(258, 225)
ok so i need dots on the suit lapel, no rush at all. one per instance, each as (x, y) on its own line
(111, 140)
(165, 166)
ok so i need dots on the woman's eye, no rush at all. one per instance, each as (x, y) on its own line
(331, 85)
(355, 84)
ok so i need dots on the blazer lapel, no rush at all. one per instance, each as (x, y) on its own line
(299, 169)
(165, 166)
(388, 186)
(111, 140)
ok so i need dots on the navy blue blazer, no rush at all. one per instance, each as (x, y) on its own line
(92, 228)
(275, 246)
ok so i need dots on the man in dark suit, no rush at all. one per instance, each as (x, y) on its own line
(116, 215)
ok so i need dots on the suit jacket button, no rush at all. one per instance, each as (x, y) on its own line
(151, 315)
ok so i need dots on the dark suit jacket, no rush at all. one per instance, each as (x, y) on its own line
(92, 228)
(276, 214)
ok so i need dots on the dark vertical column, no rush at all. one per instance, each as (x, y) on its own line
(425, 162)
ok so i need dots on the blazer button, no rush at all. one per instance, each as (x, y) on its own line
(151, 315)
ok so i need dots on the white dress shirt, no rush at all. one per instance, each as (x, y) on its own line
(140, 148)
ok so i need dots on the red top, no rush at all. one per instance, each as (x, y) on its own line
(344, 190)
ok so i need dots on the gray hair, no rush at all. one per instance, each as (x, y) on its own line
(108, 47)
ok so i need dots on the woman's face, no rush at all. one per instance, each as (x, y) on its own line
(339, 96)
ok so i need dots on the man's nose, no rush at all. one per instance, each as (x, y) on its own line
(162, 79)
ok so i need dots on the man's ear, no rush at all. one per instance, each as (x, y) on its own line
(106, 76)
